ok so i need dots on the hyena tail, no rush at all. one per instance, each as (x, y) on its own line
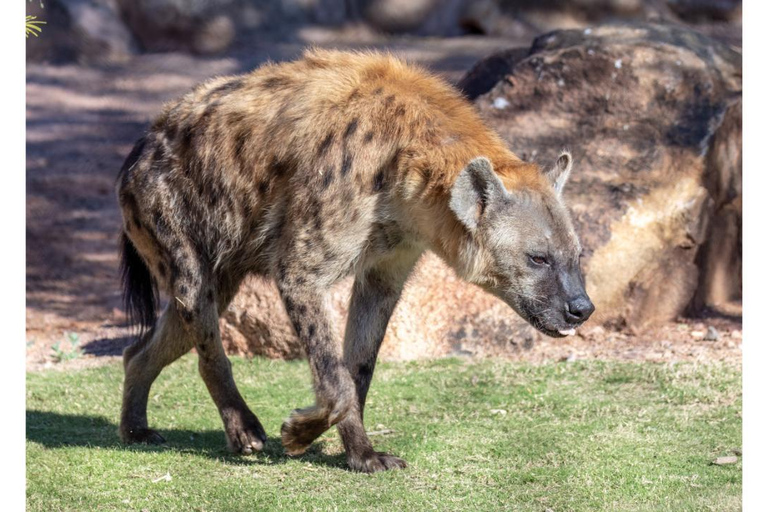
(139, 287)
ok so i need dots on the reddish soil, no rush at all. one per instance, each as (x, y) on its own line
(82, 122)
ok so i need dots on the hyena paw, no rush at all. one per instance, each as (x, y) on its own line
(371, 462)
(245, 435)
(301, 429)
(140, 435)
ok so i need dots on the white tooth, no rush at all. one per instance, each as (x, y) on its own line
(569, 332)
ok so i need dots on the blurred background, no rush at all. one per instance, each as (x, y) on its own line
(646, 95)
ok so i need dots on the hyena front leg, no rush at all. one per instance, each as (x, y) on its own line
(243, 430)
(334, 388)
(374, 297)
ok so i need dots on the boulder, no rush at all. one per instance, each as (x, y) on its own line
(524, 19)
(202, 27)
(651, 114)
(85, 31)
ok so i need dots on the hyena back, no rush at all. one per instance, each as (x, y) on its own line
(309, 171)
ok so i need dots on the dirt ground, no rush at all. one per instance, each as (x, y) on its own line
(83, 121)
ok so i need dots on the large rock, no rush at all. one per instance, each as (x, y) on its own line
(85, 31)
(526, 18)
(202, 26)
(652, 115)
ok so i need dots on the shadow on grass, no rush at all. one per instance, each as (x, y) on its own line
(55, 430)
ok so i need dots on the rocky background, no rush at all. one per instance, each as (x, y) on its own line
(646, 95)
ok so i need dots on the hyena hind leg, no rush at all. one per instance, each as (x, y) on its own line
(143, 362)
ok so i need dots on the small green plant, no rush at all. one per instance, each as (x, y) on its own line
(74, 352)
(33, 26)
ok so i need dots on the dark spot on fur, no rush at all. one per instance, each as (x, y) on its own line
(246, 209)
(175, 270)
(129, 201)
(368, 137)
(235, 118)
(315, 207)
(186, 315)
(354, 95)
(280, 168)
(161, 226)
(277, 230)
(277, 82)
(209, 296)
(241, 138)
(327, 366)
(214, 195)
(346, 164)
(327, 177)
(378, 181)
(325, 144)
(205, 117)
(351, 128)
(302, 309)
(183, 289)
(400, 111)
(159, 153)
(389, 99)
(311, 330)
(377, 91)
(170, 130)
(263, 187)
(227, 87)
(186, 146)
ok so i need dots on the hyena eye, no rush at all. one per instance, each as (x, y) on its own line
(539, 260)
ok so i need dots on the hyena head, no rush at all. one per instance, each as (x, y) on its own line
(522, 245)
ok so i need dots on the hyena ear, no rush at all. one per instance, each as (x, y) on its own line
(558, 175)
(476, 187)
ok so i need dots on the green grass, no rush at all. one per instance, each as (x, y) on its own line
(581, 436)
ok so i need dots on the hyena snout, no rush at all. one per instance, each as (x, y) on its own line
(576, 306)
(578, 310)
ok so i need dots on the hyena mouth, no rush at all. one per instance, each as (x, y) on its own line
(545, 327)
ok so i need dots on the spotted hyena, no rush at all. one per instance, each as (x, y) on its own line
(307, 172)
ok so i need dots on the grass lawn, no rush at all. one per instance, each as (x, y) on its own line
(487, 435)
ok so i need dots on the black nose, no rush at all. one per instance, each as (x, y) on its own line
(578, 310)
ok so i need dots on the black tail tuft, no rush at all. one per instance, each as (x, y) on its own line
(139, 288)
